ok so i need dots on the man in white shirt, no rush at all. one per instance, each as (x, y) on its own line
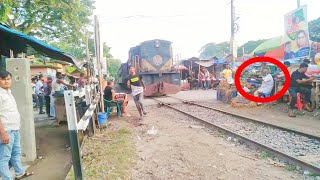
(10, 148)
(40, 94)
(34, 95)
(267, 83)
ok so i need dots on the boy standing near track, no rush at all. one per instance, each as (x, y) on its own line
(136, 84)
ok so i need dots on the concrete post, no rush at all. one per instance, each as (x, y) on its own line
(22, 92)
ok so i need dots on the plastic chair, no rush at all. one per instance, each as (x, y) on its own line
(299, 104)
(111, 107)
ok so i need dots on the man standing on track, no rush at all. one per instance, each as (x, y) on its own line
(136, 84)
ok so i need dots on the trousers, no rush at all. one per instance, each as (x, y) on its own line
(41, 102)
(47, 100)
(11, 153)
(302, 90)
(139, 105)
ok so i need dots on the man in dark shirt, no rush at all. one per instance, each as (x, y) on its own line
(136, 84)
(110, 95)
(299, 83)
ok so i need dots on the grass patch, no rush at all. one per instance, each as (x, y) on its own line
(290, 167)
(264, 155)
(313, 175)
(109, 155)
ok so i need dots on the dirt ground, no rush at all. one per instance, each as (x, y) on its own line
(167, 146)
(182, 149)
(54, 157)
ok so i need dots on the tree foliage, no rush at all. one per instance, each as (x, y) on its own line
(62, 23)
(50, 19)
(210, 50)
(314, 30)
(223, 49)
(113, 66)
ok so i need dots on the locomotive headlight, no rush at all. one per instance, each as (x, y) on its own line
(157, 44)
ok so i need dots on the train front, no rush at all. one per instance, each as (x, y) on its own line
(157, 68)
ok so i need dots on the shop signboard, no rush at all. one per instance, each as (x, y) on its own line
(296, 37)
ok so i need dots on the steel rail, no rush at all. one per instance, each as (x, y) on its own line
(250, 119)
(280, 155)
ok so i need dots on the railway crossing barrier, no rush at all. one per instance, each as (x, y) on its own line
(86, 121)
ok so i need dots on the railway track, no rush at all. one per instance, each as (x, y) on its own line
(291, 146)
(249, 119)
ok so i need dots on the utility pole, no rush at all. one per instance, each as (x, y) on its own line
(88, 60)
(232, 36)
(298, 3)
(99, 57)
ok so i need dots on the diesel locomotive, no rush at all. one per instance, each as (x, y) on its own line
(153, 60)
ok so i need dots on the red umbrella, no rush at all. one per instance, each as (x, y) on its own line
(181, 67)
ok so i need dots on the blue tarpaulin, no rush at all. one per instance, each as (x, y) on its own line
(19, 42)
(219, 61)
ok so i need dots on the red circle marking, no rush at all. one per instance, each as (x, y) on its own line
(262, 59)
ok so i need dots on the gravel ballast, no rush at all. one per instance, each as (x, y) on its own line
(287, 142)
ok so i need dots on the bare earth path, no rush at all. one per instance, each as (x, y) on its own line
(181, 149)
(51, 146)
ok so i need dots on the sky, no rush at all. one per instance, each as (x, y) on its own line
(190, 24)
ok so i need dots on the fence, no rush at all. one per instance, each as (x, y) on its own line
(86, 121)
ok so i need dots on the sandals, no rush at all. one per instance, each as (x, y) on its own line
(26, 174)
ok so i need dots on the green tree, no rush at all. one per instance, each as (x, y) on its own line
(113, 66)
(212, 49)
(59, 22)
(249, 47)
(314, 30)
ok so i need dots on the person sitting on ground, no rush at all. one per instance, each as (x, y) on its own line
(110, 95)
(300, 83)
(267, 83)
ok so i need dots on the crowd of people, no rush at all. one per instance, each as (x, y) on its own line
(299, 82)
(45, 89)
(205, 80)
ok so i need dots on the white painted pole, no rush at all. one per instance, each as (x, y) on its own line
(73, 134)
